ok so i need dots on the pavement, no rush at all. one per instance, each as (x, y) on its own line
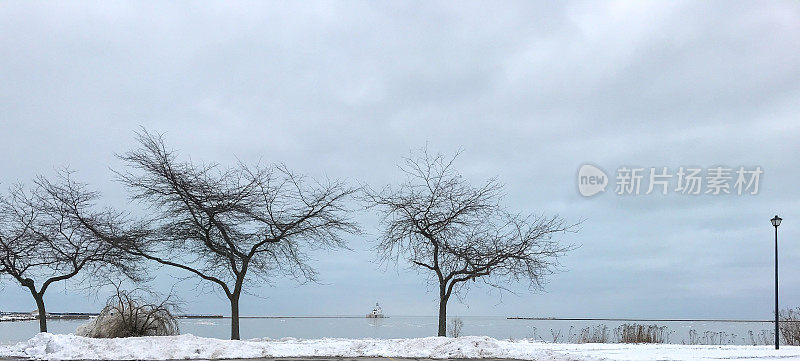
(329, 359)
(376, 359)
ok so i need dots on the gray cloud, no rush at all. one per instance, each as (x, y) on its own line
(530, 91)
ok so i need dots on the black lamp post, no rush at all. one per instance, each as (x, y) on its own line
(776, 222)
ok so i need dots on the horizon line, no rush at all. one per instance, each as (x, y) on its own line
(523, 318)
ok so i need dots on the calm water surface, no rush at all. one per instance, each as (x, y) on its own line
(403, 327)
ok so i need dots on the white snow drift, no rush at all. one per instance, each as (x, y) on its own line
(69, 347)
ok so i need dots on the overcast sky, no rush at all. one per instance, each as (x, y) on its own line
(530, 91)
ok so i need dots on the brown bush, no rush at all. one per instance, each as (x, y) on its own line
(636, 333)
(790, 326)
(130, 314)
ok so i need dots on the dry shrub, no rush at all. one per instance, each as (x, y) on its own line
(557, 336)
(716, 338)
(456, 325)
(636, 333)
(765, 337)
(132, 314)
(593, 334)
(790, 326)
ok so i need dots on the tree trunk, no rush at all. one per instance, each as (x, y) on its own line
(442, 315)
(234, 317)
(42, 313)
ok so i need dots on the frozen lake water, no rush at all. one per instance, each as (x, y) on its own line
(410, 327)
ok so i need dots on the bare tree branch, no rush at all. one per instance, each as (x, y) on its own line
(229, 226)
(440, 223)
(42, 243)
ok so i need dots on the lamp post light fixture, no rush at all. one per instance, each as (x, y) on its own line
(776, 221)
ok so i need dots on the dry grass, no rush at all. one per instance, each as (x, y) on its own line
(593, 334)
(714, 338)
(636, 333)
(129, 314)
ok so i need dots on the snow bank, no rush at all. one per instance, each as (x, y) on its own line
(69, 347)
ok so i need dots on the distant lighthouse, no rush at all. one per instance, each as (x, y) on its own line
(376, 312)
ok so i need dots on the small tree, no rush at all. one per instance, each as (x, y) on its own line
(230, 226)
(458, 233)
(456, 325)
(42, 243)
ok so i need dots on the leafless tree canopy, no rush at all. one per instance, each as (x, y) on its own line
(456, 232)
(41, 242)
(231, 225)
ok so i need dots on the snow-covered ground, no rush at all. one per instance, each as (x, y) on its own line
(70, 347)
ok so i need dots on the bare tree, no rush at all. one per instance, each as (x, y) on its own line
(231, 226)
(457, 233)
(42, 243)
